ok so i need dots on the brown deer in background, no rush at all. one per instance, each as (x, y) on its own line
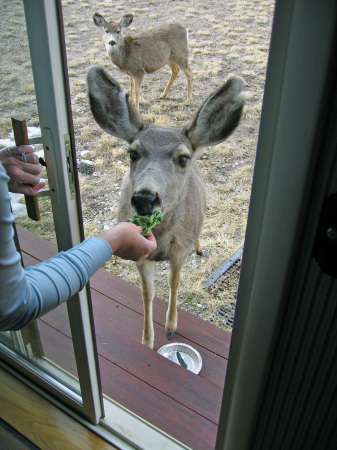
(147, 52)
(164, 175)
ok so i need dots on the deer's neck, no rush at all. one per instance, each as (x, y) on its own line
(121, 54)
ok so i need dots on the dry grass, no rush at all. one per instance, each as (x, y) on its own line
(224, 38)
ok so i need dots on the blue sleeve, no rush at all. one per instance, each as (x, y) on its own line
(26, 294)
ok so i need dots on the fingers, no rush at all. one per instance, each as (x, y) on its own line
(24, 149)
(23, 168)
(19, 151)
(152, 241)
(37, 187)
(32, 168)
(19, 170)
(25, 175)
(30, 156)
(149, 245)
(26, 189)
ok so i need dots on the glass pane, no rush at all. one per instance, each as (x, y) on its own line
(47, 342)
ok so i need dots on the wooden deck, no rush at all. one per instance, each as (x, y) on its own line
(182, 404)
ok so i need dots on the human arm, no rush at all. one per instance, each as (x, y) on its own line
(23, 174)
(26, 294)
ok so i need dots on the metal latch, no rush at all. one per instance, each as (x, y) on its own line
(325, 247)
(70, 166)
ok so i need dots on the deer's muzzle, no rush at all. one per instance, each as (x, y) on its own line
(145, 202)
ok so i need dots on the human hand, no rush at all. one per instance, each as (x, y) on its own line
(126, 241)
(24, 175)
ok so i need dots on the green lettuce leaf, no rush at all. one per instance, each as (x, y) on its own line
(147, 222)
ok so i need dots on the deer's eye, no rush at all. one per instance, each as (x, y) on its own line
(118, 31)
(182, 161)
(107, 31)
(133, 155)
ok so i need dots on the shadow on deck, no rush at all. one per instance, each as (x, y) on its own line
(184, 405)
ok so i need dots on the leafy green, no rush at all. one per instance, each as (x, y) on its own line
(147, 222)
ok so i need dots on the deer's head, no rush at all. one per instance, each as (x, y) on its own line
(112, 31)
(161, 158)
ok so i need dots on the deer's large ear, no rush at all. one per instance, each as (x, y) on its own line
(218, 117)
(99, 20)
(126, 20)
(110, 106)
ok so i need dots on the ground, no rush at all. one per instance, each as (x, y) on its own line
(229, 37)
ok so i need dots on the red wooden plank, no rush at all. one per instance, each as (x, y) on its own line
(161, 411)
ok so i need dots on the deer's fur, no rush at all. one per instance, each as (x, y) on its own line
(147, 52)
(163, 175)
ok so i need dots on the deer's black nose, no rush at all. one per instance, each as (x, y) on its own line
(112, 42)
(144, 202)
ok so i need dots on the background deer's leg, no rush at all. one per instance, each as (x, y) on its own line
(174, 72)
(138, 80)
(146, 271)
(172, 315)
(132, 88)
(188, 73)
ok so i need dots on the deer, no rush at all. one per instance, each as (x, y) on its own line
(147, 52)
(163, 174)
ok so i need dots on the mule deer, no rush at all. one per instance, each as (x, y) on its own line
(147, 52)
(164, 175)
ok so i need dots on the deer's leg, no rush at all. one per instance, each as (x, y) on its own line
(197, 247)
(174, 72)
(146, 271)
(138, 80)
(132, 88)
(172, 315)
(188, 73)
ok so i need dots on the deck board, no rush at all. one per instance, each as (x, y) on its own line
(182, 404)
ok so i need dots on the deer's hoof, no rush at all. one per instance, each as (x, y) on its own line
(170, 334)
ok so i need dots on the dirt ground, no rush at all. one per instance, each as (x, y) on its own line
(229, 37)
